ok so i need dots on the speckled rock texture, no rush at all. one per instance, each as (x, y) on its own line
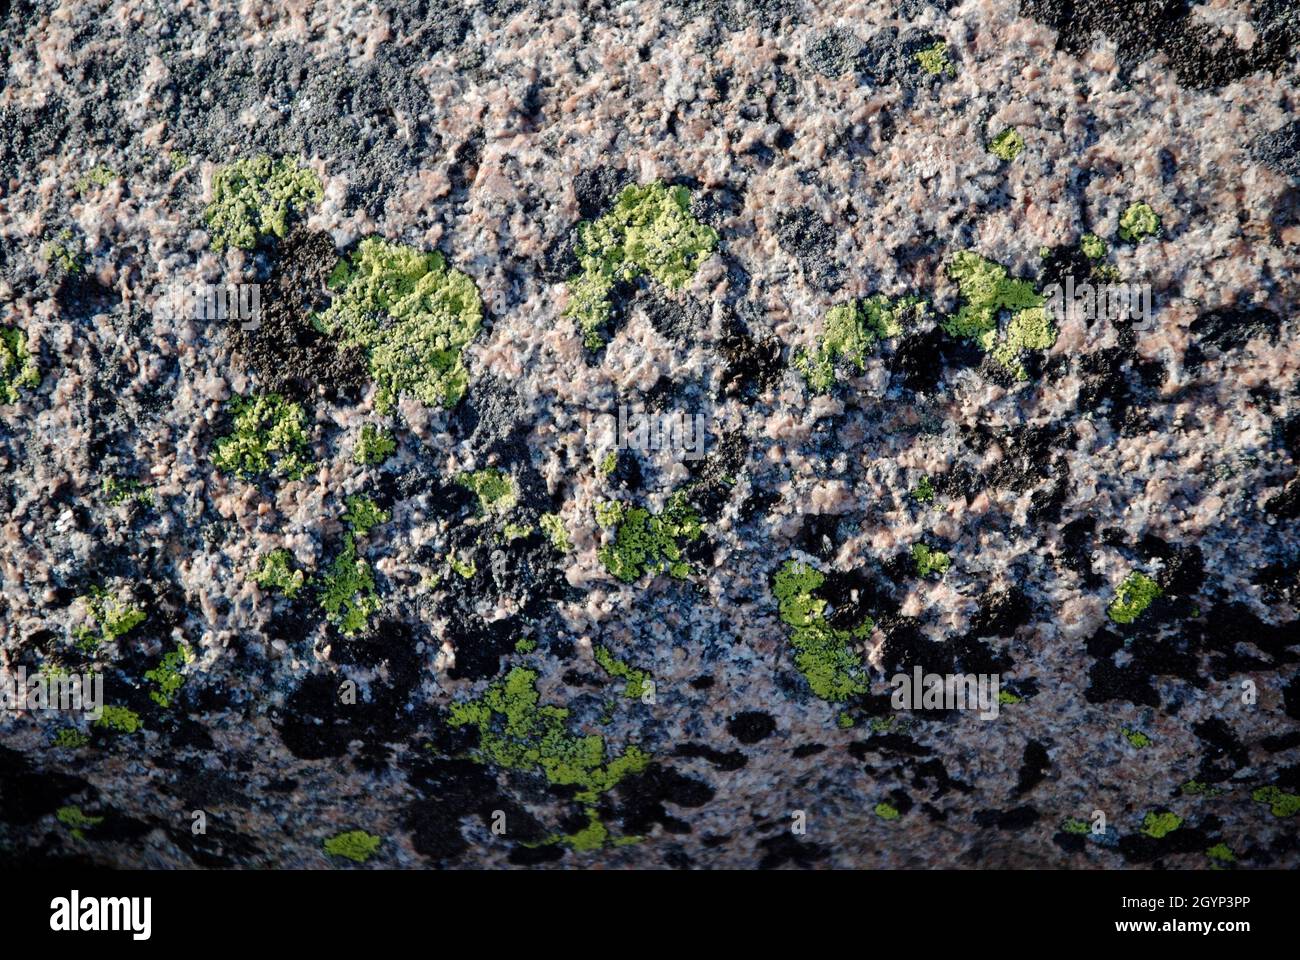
(345, 624)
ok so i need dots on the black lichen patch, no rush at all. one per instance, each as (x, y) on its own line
(724, 760)
(1203, 57)
(751, 726)
(1285, 504)
(751, 366)
(27, 793)
(785, 848)
(890, 57)
(804, 235)
(1001, 612)
(1231, 328)
(641, 799)
(1280, 149)
(289, 355)
(832, 53)
(1033, 767)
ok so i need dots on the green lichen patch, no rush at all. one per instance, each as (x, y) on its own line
(609, 464)
(363, 514)
(1093, 246)
(178, 159)
(923, 492)
(254, 197)
(1133, 596)
(648, 543)
(1136, 738)
(169, 676)
(1138, 222)
(269, 436)
(887, 811)
(987, 291)
(465, 568)
(636, 679)
(356, 845)
(65, 252)
(851, 331)
(823, 654)
(650, 231)
(276, 571)
(347, 591)
(1007, 145)
(111, 614)
(1222, 853)
(930, 561)
(18, 367)
(1157, 825)
(70, 738)
(934, 59)
(495, 489)
(118, 491)
(412, 314)
(97, 176)
(374, 446)
(1195, 788)
(119, 720)
(1280, 804)
(517, 732)
(552, 525)
(77, 821)
(1076, 826)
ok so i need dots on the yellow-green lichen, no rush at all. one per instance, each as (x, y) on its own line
(463, 568)
(1136, 738)
(649, 231)
(255, 196)
(119, 720)
(64, 252)
(1076, 826)
(987, 291)
(495, 489)
(930, 561)
(1093, 246)
(269, 436)
(1280, 804)
(822, 653)
(355, 845)
(118, 491)
(610, 463)
(648, 543)
(1195, 788)
(1222, 853)
(347, 592)
(113, 615)
(552, 525)
(374, 446)
(1157, 825)
(923, 492)
(1138, 222)
(169, 676)
(412, 314)
(98, 176)
(636, 679)
(276, 572)
(516, 732)
(17, 365)
(1007, 145)
(887, 811)
(77, 821)
(1132, 597)
(851, 331)
(363, 514)
(934, 59)
(70, 738)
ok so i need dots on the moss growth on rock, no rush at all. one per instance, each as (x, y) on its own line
(1133, 596)
(412, 314)
(255, 196)
(269, 437)
(822, 653)
(649, 231)
(648, 543)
